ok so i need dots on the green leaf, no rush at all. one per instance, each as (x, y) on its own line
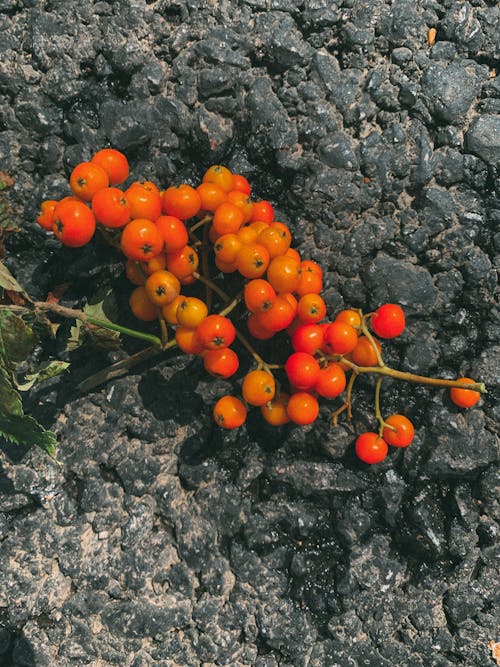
(15, 425)
(17, 339)
(47, 370)
(10, 401)
(102, 306)
(25, 430)
(7, 280)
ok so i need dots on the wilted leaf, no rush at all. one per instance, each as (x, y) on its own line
(7, 280)
(76, 337)
(14, 298)
(55, 295)
(46, 371)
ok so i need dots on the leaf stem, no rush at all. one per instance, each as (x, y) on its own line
(72, 313)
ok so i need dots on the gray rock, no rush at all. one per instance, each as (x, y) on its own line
(394, 281)
(462, 445)
(283, 44)
(317, 478)
(483, 138)
(337, 150)
(450, 91)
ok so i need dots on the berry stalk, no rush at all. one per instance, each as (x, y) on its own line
(412, 377)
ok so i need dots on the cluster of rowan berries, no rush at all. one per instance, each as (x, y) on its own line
(281, 290)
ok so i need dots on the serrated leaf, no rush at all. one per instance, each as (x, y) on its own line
(10, 401)
(7, 280)
(25, 430)
(17, 339)
(46, 371)
(17, 427)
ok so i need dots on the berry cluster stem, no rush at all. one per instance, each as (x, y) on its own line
(205, 268)
(231, 306)
(212, 285)
(200, 223)
(378, 414)
(412, 377)
(347, 405)
(368, 334)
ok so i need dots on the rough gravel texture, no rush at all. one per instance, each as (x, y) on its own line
(160, 540)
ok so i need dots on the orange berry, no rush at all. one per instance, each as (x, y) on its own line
(141, 240)
(162, 287)
(114, 163)
(227, 219)
(227, 247)
(188, 341)
(211, 196)
(183, 262)
(229, 412)
(464, 398)
(181, 201)
(258, 387)
(169, 311)
(283, 274)
(141, 306)
(252, 260)
(364, 353)
(219, 175)
(191, 311)
(86, 179)
(173, 232)
(275, 412)
(144, 203)
(302, 408)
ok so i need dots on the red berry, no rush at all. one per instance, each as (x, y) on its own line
(388, 321)
(371, 448)
(403, 435)
(331, 381)
(302, 370)
(341, 337)
(308, 338)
